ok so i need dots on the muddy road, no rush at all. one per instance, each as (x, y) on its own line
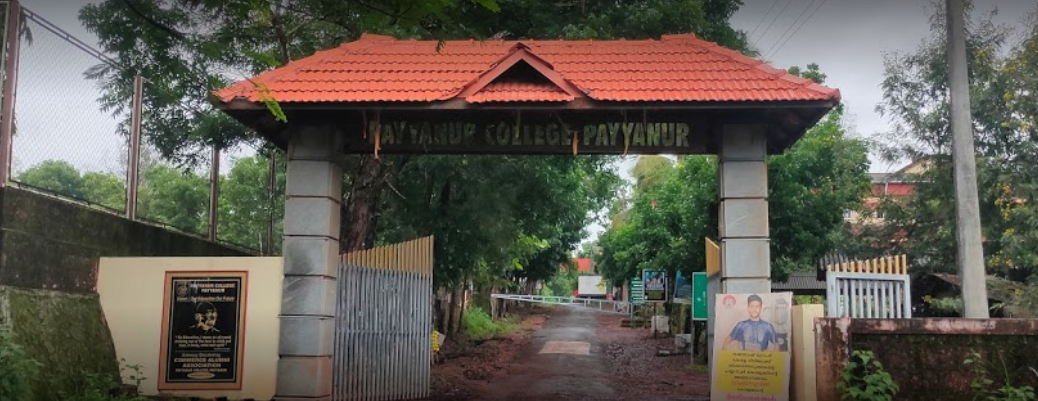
(579, 355)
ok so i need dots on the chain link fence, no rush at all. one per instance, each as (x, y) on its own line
(64, 142)
(69, 143)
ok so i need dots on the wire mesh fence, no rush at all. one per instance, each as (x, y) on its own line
(64, 140)
(70, 143)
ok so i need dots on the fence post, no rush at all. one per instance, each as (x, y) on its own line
(10, 64)
(214, 193)
(134, 161)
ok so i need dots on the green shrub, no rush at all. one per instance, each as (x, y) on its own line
(984, 388)
(478, 325)
(865, 380)
(17, 369)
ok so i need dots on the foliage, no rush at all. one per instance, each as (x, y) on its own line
(245, 204)
(985, 388)
(478, 325)
(17, 369)
(525, 229)
(62, 178)
(562, 283)
(180, 198)
(951, 306)
(1004, 110)
(671, 211)
(863, 379)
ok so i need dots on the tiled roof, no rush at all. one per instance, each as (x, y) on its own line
(679, 68)
(519, 92)
(799, 281)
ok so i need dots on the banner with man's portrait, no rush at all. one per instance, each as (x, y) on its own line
(654, 285)
(751, 347)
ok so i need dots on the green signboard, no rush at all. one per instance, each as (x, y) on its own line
(636, 291)
(699, 305)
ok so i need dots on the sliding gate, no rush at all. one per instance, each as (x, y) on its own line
(383, 346)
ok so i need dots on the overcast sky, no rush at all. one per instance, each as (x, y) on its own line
(846, 38)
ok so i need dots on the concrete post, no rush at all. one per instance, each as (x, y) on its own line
(311, 261)
(968, 239)
(742, 218)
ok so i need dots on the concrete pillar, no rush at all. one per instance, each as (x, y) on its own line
(742, 217)
(743, 214)
(311, 261)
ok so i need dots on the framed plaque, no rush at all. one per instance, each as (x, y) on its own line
(203, 331)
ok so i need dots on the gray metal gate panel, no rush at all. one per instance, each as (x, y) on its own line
(383, 344)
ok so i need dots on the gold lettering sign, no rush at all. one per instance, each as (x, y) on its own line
(513, 137)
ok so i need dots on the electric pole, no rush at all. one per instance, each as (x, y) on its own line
(969, 250)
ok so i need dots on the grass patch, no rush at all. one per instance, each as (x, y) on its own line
(478, 325)
(697, 368)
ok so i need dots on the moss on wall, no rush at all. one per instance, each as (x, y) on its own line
(925, 365)
(66, 333)
(48, 243)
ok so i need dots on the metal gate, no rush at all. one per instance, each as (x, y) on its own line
(383, 343)
(877, 288)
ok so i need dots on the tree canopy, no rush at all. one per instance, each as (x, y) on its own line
(673, 210)
(1004, 109)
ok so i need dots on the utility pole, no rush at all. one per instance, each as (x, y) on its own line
(969, 250)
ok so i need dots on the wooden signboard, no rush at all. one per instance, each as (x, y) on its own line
(203, 331)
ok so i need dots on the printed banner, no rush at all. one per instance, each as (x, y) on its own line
(751, 347)
(203, 331)
(654, 283)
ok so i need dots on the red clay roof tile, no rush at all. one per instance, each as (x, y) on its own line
(379, 68)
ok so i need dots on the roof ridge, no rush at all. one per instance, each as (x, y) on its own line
(519, 52)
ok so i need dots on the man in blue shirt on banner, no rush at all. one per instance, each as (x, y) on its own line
(753, 334)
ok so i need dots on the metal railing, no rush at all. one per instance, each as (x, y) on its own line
(599, 305)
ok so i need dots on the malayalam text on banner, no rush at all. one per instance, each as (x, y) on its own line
(751, 347)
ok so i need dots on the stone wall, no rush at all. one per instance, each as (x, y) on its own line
(49, 243)
(926, 357)
(65, 333)
(49, 254)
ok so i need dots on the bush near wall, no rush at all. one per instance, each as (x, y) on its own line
(65, 333)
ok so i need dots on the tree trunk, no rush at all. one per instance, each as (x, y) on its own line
(360, 207)
(495, 308)
(455, 310)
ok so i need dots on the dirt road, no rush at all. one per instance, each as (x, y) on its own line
(584, 355)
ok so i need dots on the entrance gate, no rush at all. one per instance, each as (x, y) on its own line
(379, 95)
(383, 323)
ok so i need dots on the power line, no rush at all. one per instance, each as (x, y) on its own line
(773, 4)
(772, 22)
(783, 35)
(777, 49)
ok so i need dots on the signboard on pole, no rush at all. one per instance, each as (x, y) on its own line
(682, 289)
(751, 347)
(699, 304)
(203, 324)
(655, 284)
(637, 297)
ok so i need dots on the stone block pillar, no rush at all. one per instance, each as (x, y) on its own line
(742, 217)
(311, 262)
(743, 214)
